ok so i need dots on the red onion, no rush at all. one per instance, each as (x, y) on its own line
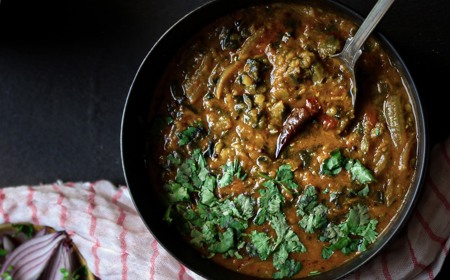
(30, 258)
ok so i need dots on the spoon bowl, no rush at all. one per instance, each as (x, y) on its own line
(352, 48)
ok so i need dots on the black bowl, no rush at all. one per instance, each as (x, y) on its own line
(135, 127)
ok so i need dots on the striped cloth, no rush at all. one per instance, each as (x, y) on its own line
(117, 245)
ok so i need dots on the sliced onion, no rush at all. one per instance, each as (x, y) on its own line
(30, 258)
(7, 243)
(61, 259)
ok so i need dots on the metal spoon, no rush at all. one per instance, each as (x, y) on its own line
(352, 48)
(347, 58)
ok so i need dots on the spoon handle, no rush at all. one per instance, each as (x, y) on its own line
(353, 45)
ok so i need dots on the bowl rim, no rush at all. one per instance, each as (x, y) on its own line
(134, 162)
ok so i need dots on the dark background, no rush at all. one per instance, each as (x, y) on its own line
(66, 67)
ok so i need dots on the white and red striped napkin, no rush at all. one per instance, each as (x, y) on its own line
(117, 245)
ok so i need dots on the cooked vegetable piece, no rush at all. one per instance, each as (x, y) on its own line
(395, 120)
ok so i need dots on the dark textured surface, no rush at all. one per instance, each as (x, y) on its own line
(66, 66)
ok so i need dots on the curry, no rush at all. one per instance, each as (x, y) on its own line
(265, 166)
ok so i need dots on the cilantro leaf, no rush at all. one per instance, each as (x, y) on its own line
(285, 267)
(177, 193)
(269, 202)
(279, 224)
(359, 172)
(292, 242)
(307, 200)
(207, 235)
(3, 252)
(244, 204)
(230, 222)
(26, 229)
(230, 170)
(190, 133)
(332, 165)
(201, 163)
(225, 243)
(288, 269)
(316, 219)
(207, 196)
(280, 257)
(354, 234)
(368, 233)
(284, 177)
(364, 191)
(173, 159)
(357, 216)
(327, 253)
(261, 244)
(331, 233)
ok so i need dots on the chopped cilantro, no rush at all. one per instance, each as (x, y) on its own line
(230, 170)
(269, 202)
(225, 242)
(293, 243)
(316, 219)
(190, 133)
(288, 269)
(314, 215)
(280, 257)
(219, 225)
(364, 191)
(261, 244)
(26, 229)
(307, 200)
(173, 159)
(284, 177)
(332, 165)
(244, 204)
(359, 172)
(177, 193)
(3, 252)
(354, 234)
(207, 196)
